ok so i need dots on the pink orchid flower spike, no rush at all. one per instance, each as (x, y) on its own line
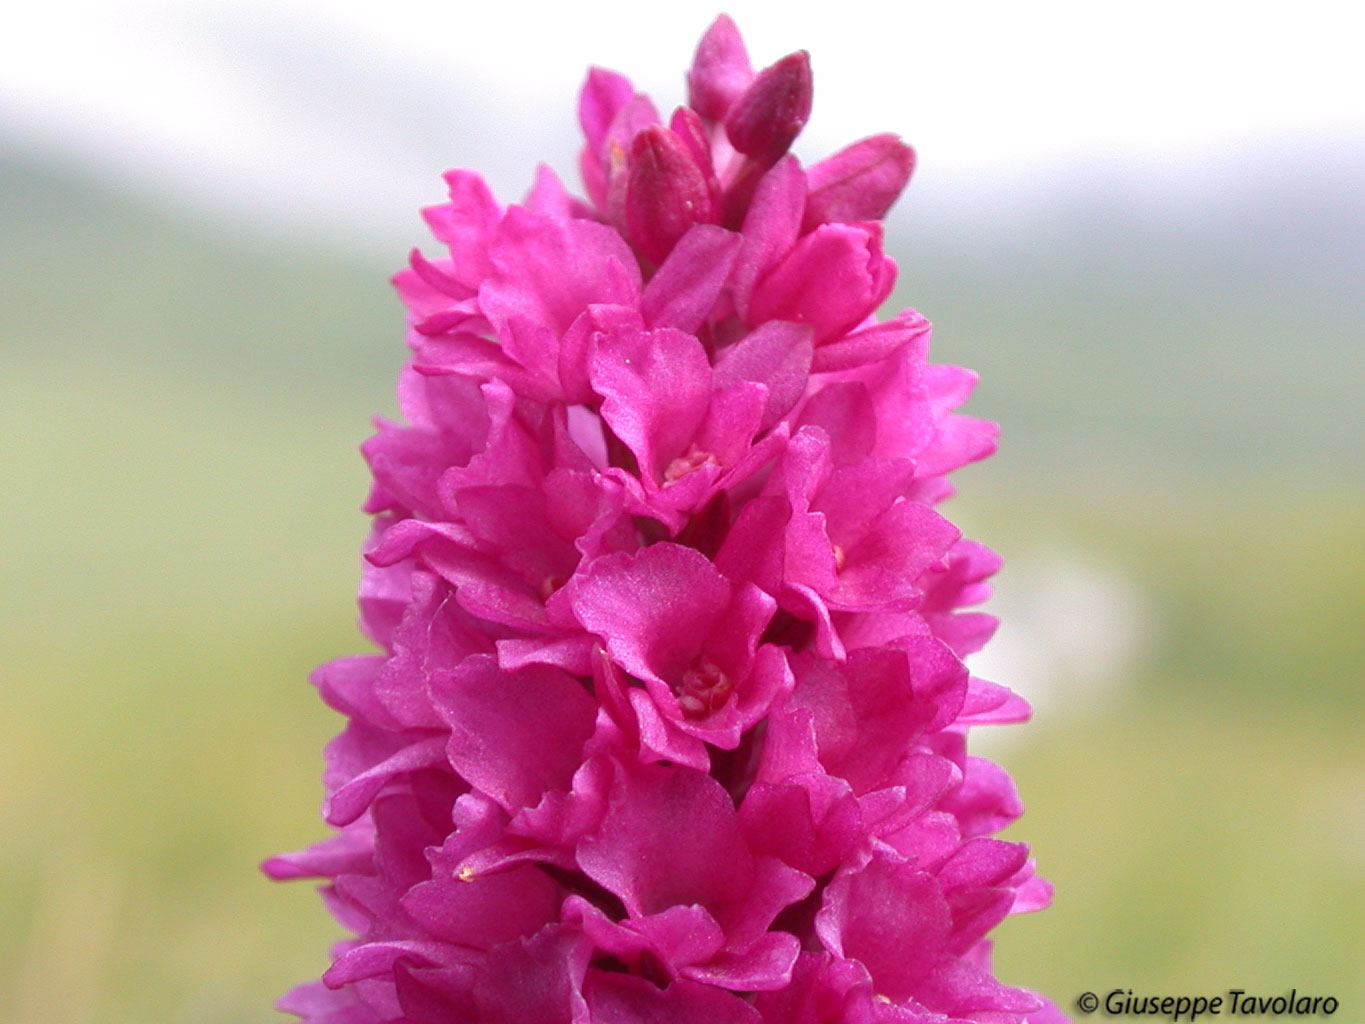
(668, 721)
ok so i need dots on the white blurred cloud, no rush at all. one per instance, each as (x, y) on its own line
(348, 109)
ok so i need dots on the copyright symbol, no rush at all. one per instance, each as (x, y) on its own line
(1088, 1002)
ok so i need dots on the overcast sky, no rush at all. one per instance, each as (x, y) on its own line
(348, 109)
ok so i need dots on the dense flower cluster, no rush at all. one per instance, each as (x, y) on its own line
(669, 723)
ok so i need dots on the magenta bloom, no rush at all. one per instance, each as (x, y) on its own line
(669, 723)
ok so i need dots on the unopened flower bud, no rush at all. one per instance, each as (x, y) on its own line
(773, 110)
(666, 192)
(720, 71)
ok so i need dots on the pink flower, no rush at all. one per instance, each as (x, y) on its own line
(669, 717)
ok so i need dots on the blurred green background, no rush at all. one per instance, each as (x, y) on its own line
(1178, 498)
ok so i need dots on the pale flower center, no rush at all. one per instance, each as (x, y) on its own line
(704, 689)
(693, 458)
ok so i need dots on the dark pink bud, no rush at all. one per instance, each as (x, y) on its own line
(666, 192)
(773, 110)
(686, 125)
(859, 182)
(720, 71)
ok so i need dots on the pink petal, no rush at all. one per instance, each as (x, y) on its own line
(871, 344)
(549, 196)
(764, 966)
(891, 916)
(349, 801)
(376, 958)
(986, 801)
(776, 355)
(652, 609)
(548, 271)
(832, 280)
(624, 999)
(466, 224)
(315, 1003)
(859, 182)
(685, 288)
(488, 909)
(536, 979)
(670, 837)
(603, 95)
(514, 735)
(656, 388)
(771, 226)
(720, 70)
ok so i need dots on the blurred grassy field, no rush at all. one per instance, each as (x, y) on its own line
(1204, 826)
(179, 545)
